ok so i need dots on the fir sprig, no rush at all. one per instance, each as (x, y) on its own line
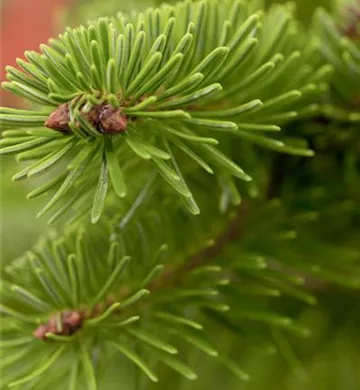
(154, 84)
(341, 48)
(82, 292)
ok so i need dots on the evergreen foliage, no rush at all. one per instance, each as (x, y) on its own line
(89, 9)
(186, 134)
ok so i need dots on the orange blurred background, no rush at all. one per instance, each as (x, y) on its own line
(25, 25)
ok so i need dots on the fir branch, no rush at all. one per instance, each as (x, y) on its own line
(144, 84)
(155, 92)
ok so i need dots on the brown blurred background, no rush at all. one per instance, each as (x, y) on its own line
(25, 25)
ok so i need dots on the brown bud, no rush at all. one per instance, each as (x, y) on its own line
(71, 322)
(104, 118)
(40, 332)
(59, 119)
(52, 328)
(112, 120)
(73, 319)
(92, 116)
(66, 330)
